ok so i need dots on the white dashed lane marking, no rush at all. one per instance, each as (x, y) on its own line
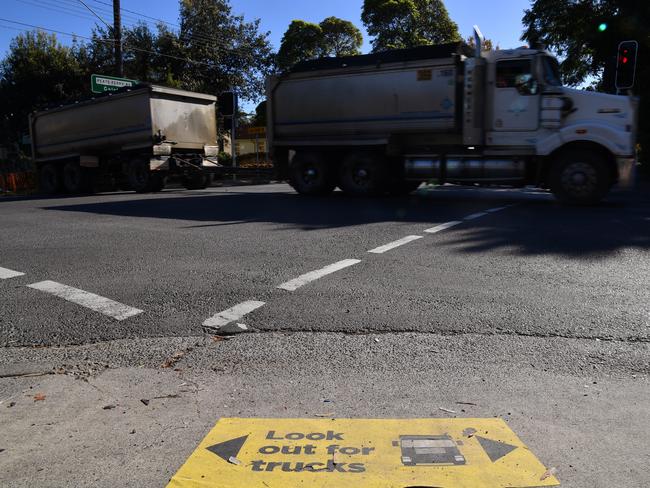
(5, 273)
(113, 309)
(475, 216)
(393, 245)
(445, 226)
(319, 273)
(232, 314)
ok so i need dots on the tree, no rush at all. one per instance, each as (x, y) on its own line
(488, 45)
(301, 41)
(340, 38)
(397, 24)
(223, 50)
(37, 71)
(392, 23)
(434, 24)
(572, 29)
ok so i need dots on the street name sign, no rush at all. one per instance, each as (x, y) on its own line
(103, 83)
(319, 453)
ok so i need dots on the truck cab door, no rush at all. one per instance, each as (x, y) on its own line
(516, 96)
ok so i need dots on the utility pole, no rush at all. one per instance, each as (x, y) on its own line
(117, 35)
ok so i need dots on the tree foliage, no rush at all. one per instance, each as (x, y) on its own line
(305, 40)
(397, 24)
(340, 37)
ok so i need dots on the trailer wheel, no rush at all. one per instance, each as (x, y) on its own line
(75, 178)
(580, 177)
(309, 174)
(158, 181)
(364, 173)
(49, 179)
(139, 175)
(196, 181)
(403, 187)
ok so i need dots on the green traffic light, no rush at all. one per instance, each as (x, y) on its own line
(602, 27)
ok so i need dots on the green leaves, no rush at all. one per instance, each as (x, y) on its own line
(397, 24)
(305, 40)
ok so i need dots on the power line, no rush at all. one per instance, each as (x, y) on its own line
(94, 13)
(111, 41)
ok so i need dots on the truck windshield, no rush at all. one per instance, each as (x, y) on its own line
(551, 71)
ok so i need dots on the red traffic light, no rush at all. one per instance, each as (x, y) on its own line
(626, 64)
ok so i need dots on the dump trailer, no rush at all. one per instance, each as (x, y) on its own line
(386, 122)
(136, 137)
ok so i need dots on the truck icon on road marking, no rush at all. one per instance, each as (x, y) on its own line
(429, 450)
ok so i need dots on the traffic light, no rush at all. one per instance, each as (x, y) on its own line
(626, 64)
(602, 27)
(228, 104)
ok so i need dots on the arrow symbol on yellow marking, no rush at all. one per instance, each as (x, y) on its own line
(495, 449)
(226, 450)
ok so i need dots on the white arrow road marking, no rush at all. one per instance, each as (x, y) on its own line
(5, 273)
(441, 227)
(232, 314)
(394, 244)
(94, 302)
(319, 273)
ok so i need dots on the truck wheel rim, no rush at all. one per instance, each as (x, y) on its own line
(580, 178)
(361, 176)
(310, 175)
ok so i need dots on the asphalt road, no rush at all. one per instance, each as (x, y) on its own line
(528, 310)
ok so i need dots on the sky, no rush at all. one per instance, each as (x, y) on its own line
(499, 20)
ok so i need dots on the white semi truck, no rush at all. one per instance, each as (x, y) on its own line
(386, 122)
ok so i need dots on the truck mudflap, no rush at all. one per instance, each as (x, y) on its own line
(626, 172)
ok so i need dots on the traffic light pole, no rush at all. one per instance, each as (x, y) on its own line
(117, 36)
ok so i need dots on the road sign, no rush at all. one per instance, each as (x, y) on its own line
(102, 83)
(319, 453)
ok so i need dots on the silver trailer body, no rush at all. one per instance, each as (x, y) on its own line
(371, 101)
(136, 120)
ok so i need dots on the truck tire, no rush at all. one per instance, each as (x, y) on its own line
(403, 187)
(309, 174)
(158, 181)
(140, 176)
(364, 174)
(75, 178)
(196, 181)
(580, 177)
(49, 179)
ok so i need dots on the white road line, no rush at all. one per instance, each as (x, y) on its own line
(476, 215)
(394, 244)
(445, 226)
(94, 302)
(319, 273)
(5, 273)
(498, 209)
(232, 314)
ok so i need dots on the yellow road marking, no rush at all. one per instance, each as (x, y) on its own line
(319, 453)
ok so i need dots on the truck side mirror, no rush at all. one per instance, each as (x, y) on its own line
(526, 84)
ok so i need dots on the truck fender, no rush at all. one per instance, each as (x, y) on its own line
(615, 141)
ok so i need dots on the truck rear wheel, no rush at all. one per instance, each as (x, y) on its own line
(75, 178)
(363, 173)
(157, 182)
(580, 177)
(196, 181)
(140, 176)
(309, 174)
(49, 179)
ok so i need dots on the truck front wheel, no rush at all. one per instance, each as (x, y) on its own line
(49, 178)
(364, 173)
(309, 174)
(580, 177)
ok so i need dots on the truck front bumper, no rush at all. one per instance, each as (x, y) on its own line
(626, 172)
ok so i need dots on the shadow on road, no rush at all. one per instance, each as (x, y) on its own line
(537, 225)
